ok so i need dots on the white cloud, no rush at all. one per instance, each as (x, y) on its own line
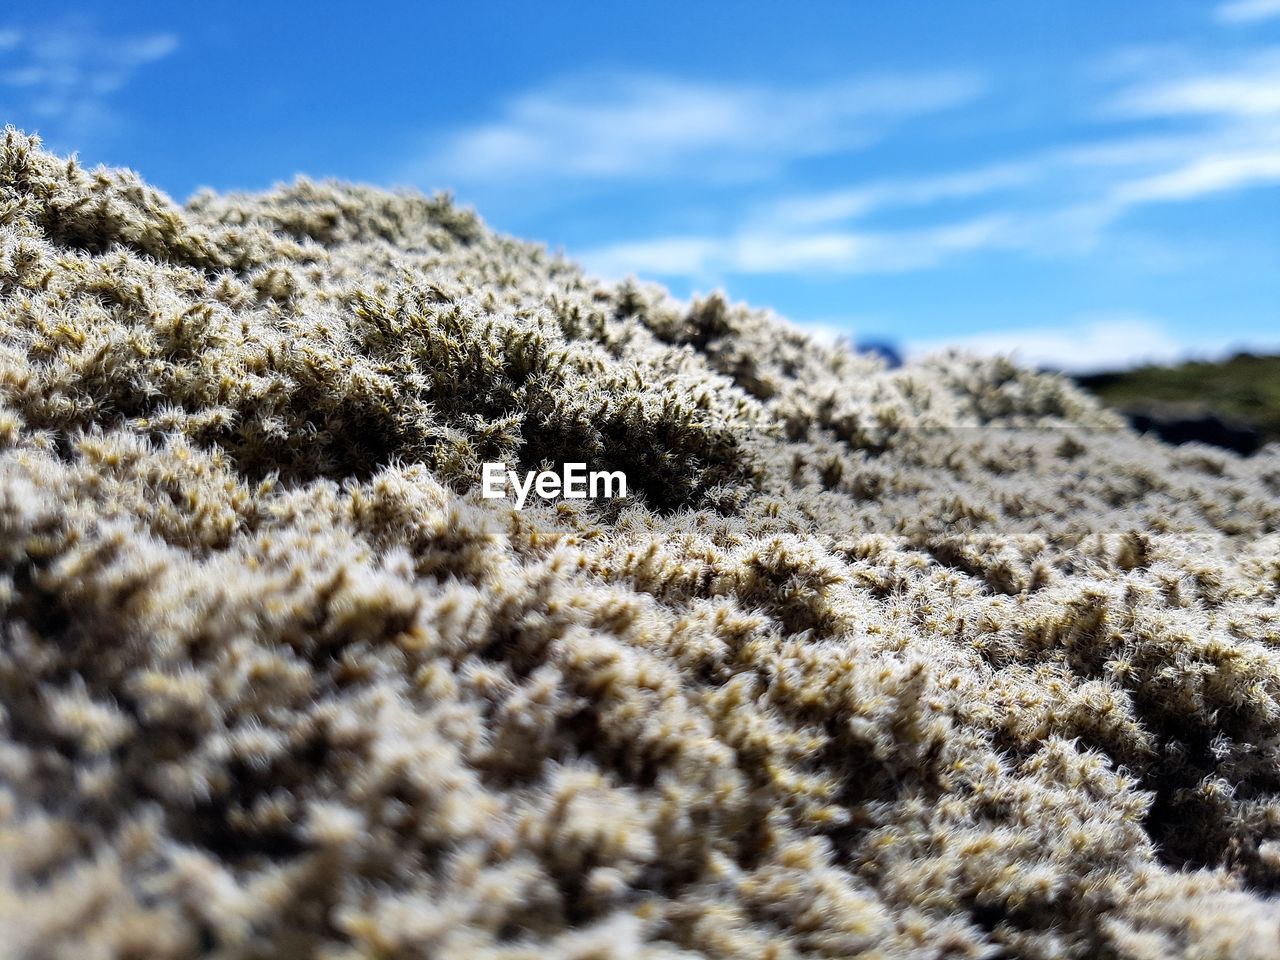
(1246, 89)
(1235, 144)
(1061, 203)
(1093, 344)
(1223, 135)
(1203, 176)
(756, 251)
(60, 81)
(836, 205)
(1075, 189)
(1247, 11)
(1090, 344)
(663, 257)
(635, 127)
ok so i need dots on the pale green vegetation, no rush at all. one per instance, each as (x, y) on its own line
(934, 662)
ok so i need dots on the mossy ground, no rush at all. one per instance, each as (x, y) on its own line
(941, 661)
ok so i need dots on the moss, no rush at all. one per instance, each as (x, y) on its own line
(938, 661)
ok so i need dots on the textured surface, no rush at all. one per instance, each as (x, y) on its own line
(933, 662)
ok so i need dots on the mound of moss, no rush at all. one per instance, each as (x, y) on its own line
(942, 661)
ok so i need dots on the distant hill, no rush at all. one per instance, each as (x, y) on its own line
(1233, 403)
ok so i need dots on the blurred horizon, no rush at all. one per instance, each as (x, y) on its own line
(1091, 186)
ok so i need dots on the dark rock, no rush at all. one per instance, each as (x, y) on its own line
(1203, 428)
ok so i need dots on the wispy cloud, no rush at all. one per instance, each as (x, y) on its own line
(60, 80)
(1247, 11)
(1204, 176)
(836, 205)
(1219, 133)
(634, 127)
(764, 251)
(1084, 345)
(1236, 145)
(1249, 87)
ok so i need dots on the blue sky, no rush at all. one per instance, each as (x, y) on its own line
(1089, 183)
